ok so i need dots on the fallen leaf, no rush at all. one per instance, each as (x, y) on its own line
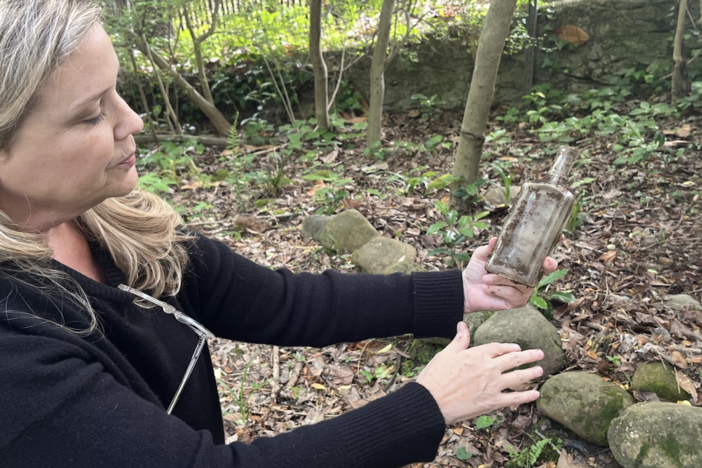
(678, 359)
(567, 460)
(592, 355)
(414, 113)
(571, 34)
(317, 185)
(330, 157)
(686, 384)
(609, 256)
(355, 120)
(684, 131)
(318, 386)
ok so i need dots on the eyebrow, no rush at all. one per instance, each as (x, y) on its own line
(92, 98)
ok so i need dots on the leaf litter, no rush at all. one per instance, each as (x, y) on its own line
(638, 240)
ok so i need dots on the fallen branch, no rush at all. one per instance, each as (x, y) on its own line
(204, 139)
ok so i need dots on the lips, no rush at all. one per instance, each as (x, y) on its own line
(128, 161)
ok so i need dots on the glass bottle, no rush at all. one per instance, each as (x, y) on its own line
(534, 224)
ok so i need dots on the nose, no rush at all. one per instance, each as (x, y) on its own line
(129, 121)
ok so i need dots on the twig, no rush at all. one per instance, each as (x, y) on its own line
(275, 380)
(360, 357)
(394, 376)
(338, 82)
(205, 223)
(294, 375)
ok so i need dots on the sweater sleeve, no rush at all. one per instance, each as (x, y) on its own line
(240, 300)
(61, 409)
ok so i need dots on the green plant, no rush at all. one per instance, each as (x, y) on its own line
(469, 192)
(483, 422)
(242, 396)
(576, 216)
(330, 197)
(529, 456)
(506, 179)
(455, 230)
(463, 454)
(380, 374)
(543, 300)
(428, 105)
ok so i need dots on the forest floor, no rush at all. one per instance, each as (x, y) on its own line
(638, 239)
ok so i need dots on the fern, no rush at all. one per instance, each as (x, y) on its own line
(526, 458)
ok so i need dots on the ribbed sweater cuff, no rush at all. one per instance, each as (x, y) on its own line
(402, 428)
(438, 303)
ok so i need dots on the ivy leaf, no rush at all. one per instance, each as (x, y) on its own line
(484, 421)
(463, 454)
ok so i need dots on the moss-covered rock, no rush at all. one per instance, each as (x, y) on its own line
(657, 435)
(348, 231)
(584, 403)
(380, 254)
(660, 379)
(528, 328)
(473, 320)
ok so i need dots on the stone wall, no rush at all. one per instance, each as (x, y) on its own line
(623, 34)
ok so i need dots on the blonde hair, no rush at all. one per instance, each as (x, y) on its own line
(140, 230)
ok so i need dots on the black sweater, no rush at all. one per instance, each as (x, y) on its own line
(98, 401)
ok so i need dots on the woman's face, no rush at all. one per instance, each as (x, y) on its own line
(76, 148)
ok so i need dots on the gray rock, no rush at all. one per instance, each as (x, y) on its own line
(313, 226)
(348, 231)
(657, 435)
(380, 254)
(584, 403)
(496, 195)
(528, 328)
(658, 378)
(404, 267)
(679, 302)
(473, 320)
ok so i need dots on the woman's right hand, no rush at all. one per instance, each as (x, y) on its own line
(469, 382)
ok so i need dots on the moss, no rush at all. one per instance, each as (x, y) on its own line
(671, 448)
(643, 453)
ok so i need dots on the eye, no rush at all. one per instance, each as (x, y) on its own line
(98, 119)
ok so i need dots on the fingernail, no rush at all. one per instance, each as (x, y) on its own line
(536, 394)
(540, 354)
(539, 370)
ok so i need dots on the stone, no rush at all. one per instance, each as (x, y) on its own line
(528, 328)
(658, 378)
(404, 267)
(496, 195)
(678, 302)
(584, 403)
(657, 435)
(348, 231)
(473, 320)
(380, 254)
(313, 226)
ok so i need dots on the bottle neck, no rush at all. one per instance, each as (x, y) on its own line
(561, 167)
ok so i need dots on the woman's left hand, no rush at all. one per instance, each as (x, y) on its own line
(483, 291)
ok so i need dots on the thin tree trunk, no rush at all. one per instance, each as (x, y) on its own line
(681, 80)
(164, 94)
(482, 90)
(197, 47)
(144, 102)
(321, 92)
(377, 75)
(220, 123)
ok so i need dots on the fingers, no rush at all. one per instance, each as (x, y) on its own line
(550, 265)
(517, 398)
(494, 350)
(512, 360)
(462, 339)
(519, 377)
(482, 254)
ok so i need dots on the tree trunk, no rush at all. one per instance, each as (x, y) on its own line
(321, 93)
(681, 80)
(220, 123)
(197, 47)
(482, 89)
(377, 75)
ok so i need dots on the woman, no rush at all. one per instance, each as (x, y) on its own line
(91, 369)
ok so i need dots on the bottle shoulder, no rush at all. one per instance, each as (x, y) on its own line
(548, 188)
